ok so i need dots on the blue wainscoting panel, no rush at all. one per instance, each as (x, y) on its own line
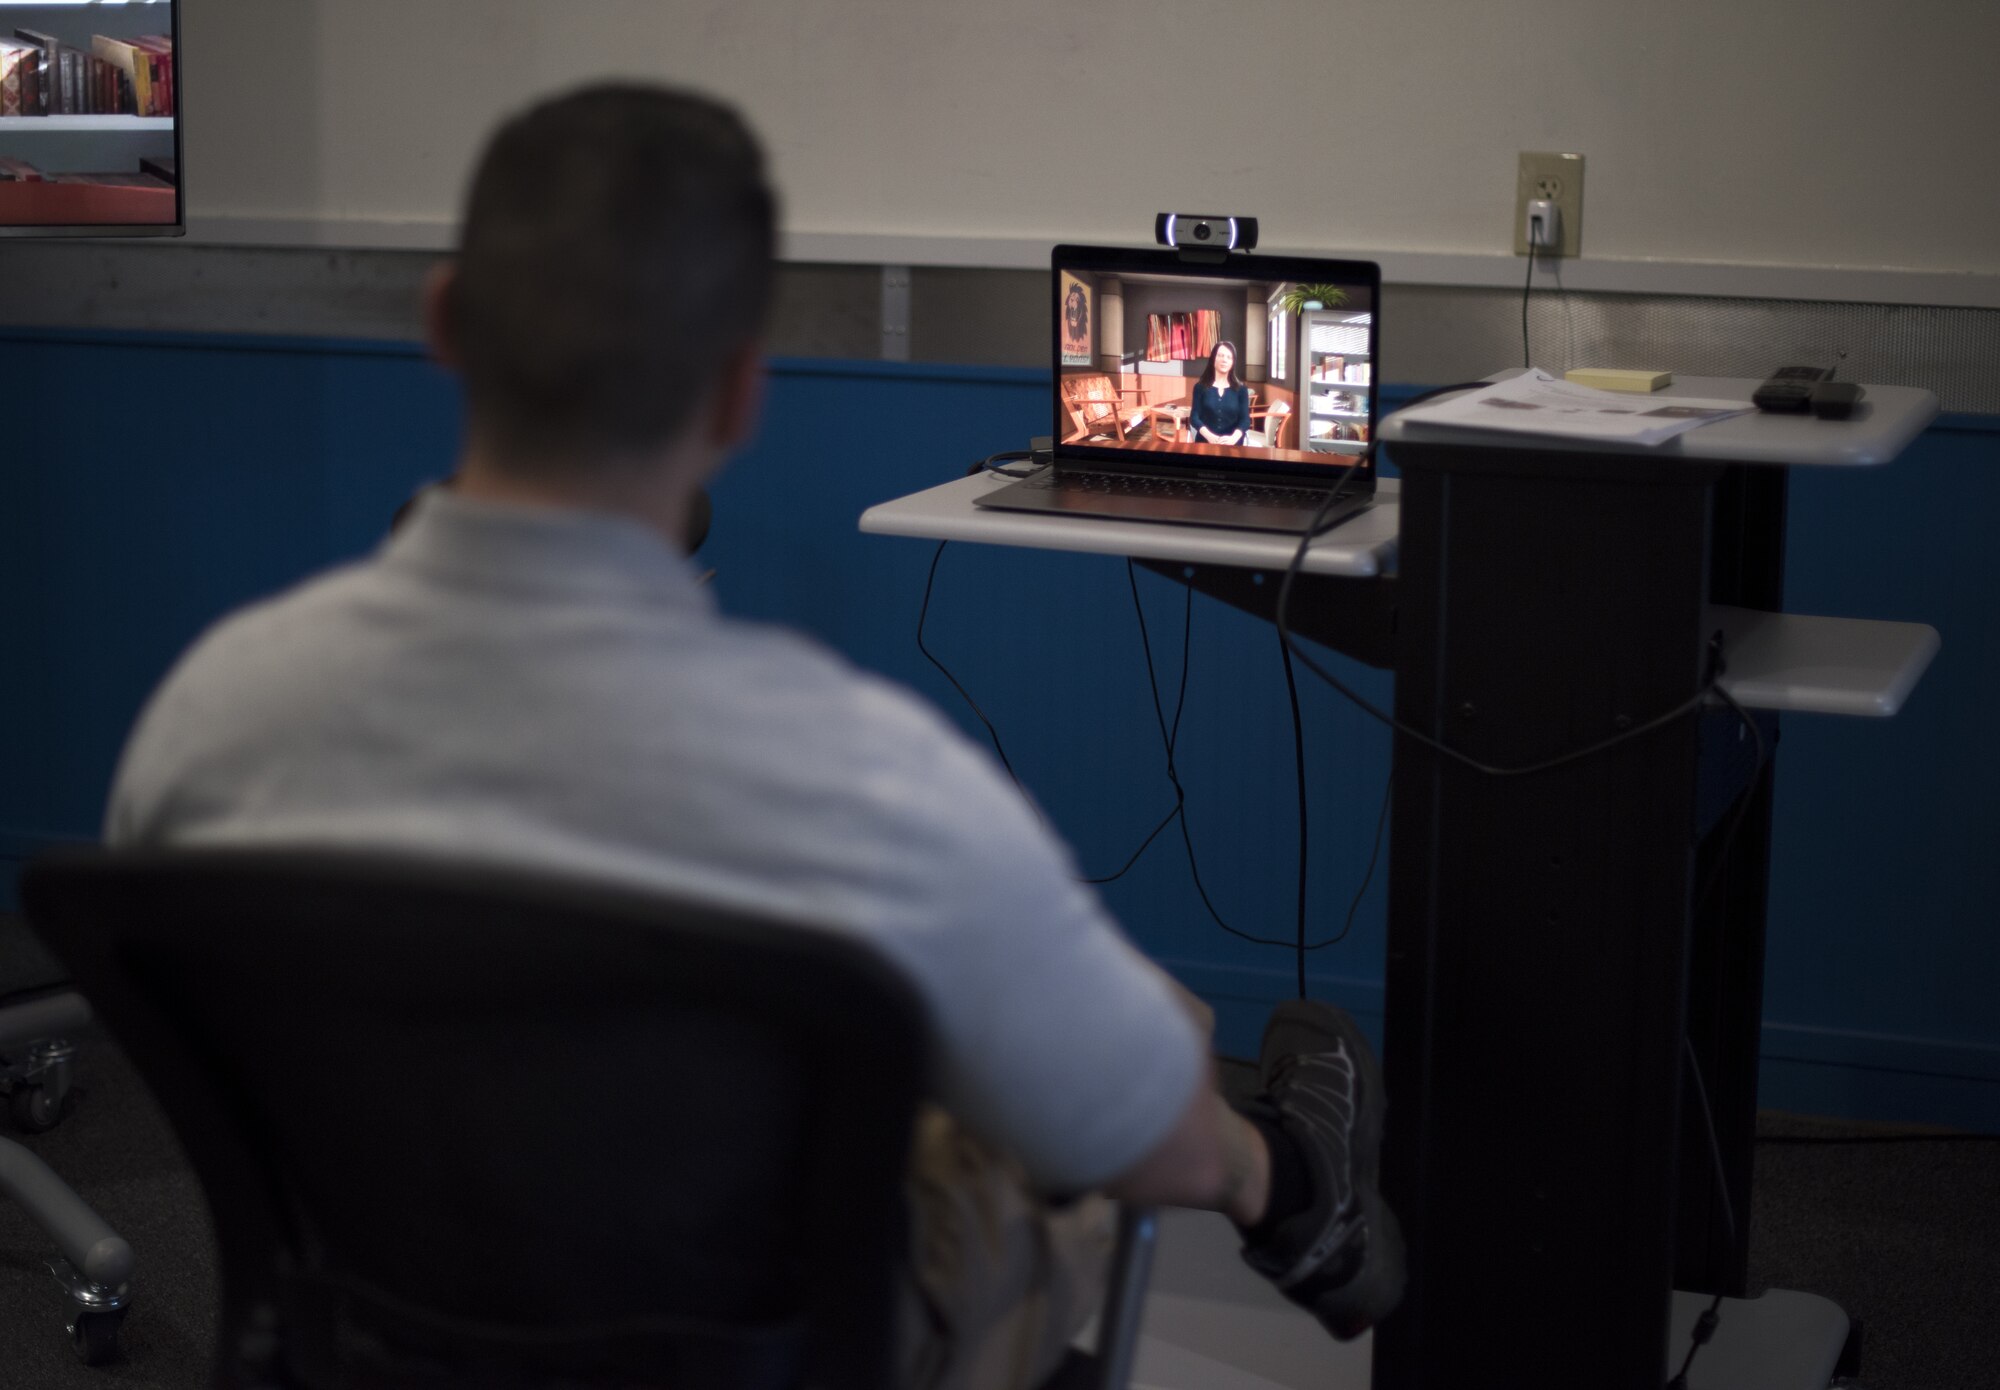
(157, 482)
(1883, 978)
(150, 485)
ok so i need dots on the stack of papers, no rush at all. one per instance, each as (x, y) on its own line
(1537, 403)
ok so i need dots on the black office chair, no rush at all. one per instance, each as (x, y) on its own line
(467, 1127)
(39, 1014)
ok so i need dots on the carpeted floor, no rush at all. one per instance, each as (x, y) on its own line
(1900, 1230)
(1905, 1235)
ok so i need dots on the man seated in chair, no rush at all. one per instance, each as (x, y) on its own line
(528, 672)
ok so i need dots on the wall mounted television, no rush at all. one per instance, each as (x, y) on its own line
(90, 128)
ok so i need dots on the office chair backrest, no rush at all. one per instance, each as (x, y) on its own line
(498, 1127)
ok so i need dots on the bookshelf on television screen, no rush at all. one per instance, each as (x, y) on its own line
(90, 118)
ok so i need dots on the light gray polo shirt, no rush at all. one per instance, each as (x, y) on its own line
(552, 688)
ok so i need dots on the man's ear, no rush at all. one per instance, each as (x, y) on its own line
(440, 326)
(738, 399)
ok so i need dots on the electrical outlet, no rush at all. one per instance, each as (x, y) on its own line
(1559, 178)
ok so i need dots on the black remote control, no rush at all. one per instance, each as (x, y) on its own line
(1790, 389)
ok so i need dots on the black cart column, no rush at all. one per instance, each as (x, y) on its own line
(1539, 923)
(1726, 960)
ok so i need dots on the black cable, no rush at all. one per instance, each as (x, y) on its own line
(1173, 771)
(1714, 1143)
(1526, 359)
(991, 464)
(1290, 640)
(1172, 735)
(1545, 765)
(1187, 648)
(930, 582)
(1169, 734)
(1194, 868)
(1299, 756)
(992, 733)
(1367, 877)
(1711, 1317)
(1144, 844)
(1743, 799)
(1704, 1328)
(1152, 679)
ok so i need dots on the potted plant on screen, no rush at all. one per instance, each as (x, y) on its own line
(1299, 298)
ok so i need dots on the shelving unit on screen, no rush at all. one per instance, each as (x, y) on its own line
(89, 105)
(1337, 376)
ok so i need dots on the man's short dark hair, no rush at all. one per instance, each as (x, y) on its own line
(617, 245)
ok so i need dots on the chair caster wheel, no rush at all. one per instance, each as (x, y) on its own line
(94, 1336)
(35, 1110)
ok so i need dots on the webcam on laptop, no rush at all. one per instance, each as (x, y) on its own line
(1204, 236)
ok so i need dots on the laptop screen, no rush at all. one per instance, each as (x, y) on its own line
(1258, 365)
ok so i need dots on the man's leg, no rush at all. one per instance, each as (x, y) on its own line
(1324, 1236)
(1000, 1281)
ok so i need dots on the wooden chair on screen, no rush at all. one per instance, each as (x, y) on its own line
(1099, 410)
(1271, 420)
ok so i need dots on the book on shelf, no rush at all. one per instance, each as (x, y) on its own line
(160, 49)
(40, 75)
(76, 82)
(57, 63)
(59, 72)
(31, 74)
(48, 73)
(17, 60)
(115, 93)
(132, 63)
(144, 69)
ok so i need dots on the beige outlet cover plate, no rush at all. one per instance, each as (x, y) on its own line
(1557, 176)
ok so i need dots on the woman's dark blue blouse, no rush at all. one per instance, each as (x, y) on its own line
(1224, 412)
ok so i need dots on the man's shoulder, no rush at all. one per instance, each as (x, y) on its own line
(834, 702)
(277, 623)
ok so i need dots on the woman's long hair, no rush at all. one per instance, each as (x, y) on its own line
(1235, 368)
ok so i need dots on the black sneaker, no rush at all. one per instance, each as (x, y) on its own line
(1341, 1258)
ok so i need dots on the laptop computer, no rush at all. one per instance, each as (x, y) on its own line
(1237, 392)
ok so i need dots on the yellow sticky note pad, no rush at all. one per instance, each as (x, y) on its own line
(1619, 379)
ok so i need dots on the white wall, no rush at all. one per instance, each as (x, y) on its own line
(1836, 134)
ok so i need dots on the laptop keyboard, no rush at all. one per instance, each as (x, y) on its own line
(1138, 485)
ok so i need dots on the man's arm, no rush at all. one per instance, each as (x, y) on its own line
(1212, 1159)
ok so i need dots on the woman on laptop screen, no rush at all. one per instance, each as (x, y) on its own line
(1221, 410)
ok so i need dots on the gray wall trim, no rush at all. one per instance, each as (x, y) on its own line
(1886, 284)
(895, 313)
(1431, 333)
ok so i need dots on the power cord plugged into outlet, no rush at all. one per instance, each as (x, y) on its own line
(1544, 225)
